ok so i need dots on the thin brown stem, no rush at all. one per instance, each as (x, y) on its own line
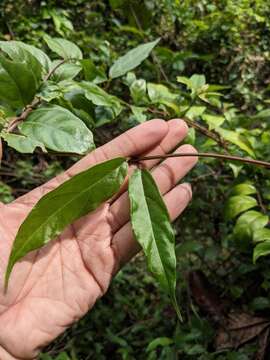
(204, 155)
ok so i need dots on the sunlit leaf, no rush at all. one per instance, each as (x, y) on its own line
(237, 204)
(152, 229)
(64, 48)
(73, 199)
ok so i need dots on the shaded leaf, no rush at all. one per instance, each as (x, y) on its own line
(101, 98)
(161, 341)
(83, 193)
(18, 83)
(58, 129)
(132, 59)
(92, 72)
(152, 229)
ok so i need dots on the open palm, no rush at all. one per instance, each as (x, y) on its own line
(55, 286)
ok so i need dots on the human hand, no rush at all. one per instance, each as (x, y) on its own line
(53, 287)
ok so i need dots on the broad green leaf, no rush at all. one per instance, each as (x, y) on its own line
(237, 139)
(22, 55)
(100, 97)
(64, 48)
(195, 112)
(132, 59)
(244, 189)
(213, 121)
(160, 94)
(65, 71)
(152, 229)
(238, 204)
(14, 50)
(262, 249)
(138, 112)
(73, 199)
(194, 83)
(261, 235)
(23, 144)
(246, 225)
(197, 81)
(18, 83)
(58, 129)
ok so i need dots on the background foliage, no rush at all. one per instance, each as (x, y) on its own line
(227, 43)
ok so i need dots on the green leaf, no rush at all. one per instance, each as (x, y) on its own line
(15, 50)
(261, 235)
(213, 121)
(195, 112)
(237, 139)
(262, 249)
(160, 94)
(92, 72)
(138, 91)
(161, 341)
(65, 71)
(138, 112)
(245, 227)
(18, 83)
(22, 55)
(64, 48)
(238, 204)
(152, 229)
(23, 144)
(83, 193)
(244, 189)
(194, 83)
(101, 98)
(58, 129)
(132, 59)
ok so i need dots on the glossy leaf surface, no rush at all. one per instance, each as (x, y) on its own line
(152, 229)
(58, 129)
(73, 199)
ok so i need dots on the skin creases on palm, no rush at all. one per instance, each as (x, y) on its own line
(51, 288)
(48, 294)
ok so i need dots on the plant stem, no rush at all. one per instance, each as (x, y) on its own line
(205, 155)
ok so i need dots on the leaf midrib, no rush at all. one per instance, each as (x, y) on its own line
(56, 212)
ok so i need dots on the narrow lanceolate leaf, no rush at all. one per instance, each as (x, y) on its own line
(152, 229)
(61, 207)
(132, 59)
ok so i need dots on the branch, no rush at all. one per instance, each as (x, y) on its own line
(205, 155)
